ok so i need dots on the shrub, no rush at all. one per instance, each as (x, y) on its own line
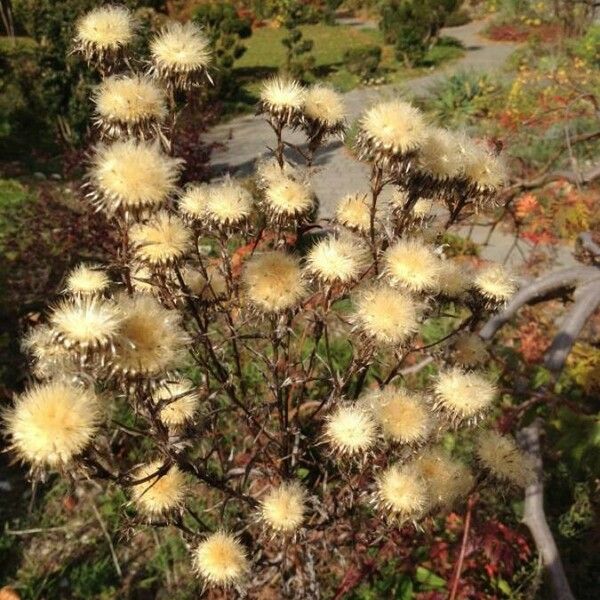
(363, 61)
(255, 368)
(226, 30)
(413, 26)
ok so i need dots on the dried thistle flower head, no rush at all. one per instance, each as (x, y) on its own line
(181, 55)
(193, 202)
(413, 265)
(103, 32)
(273, 281)
(283, 507)
(283, 100)
(386, 315)
(402, 416)
(439, 155)
(52, 422)
(86, 280)
(287, 197)
(129, 105)
(49, 358)
(390, 131)
(469, 350)
(142, 279)
(221, 560)
(132, 175)
(209, 290)
(403, 492)
(162, 492)
(324, 110)
(454, 278)
(485, 171)
(86, 323)
(353, 211)
(463, 396)
(350, 429)
(228, 204)
(163, 240)
(501, 456)
(340, 259)
(495, 284)
(152, 342)
(181, 400)
(448, 479)
(268, 171)
(422, 208)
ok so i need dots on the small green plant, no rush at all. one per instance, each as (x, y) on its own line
(363, 61)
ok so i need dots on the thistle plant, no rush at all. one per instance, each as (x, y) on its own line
(259, 355)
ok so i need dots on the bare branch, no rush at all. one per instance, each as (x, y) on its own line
(535, 518)
(552, 284)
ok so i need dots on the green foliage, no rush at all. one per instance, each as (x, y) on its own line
(413, 26)
(363, 61)
(588, 46)
(226, 30)
(298, 62)
(461, 98)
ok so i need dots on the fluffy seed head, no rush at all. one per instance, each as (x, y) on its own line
(412, 265)
(152, 341)
(501, 456)
(52, 422)
(454, 278)
(448, 479)
(353, 212)
(193, 202)
(484, 170)
(386, 315)
(325, 106)
(469, 350)
(286, 197)
(228, 204)
(163, 240)
(273, 281)
(181, 54)
(402, 491)
(464, 396)
(129, 100)
(337, 259)
(209, 290)
(133, 175)
(283, 507)
(160, 494)
(221, 560)
(104, 29)
(439, 155)
(269, 171)
(350, 429)
(402, 416)
(86, 322)
(495, 284)
(49, 357)
(86, 280)
(392, 128)
(182, 400)
(282, 99)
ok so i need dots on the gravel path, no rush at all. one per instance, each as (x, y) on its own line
(245, 139)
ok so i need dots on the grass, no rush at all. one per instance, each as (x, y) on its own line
(265, 55)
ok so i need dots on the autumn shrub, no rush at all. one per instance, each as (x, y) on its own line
(255, 360)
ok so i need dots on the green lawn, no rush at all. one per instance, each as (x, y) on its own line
(265, 55)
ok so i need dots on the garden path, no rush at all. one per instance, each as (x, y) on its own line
(245, 139)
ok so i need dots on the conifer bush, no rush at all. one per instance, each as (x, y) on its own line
(259, 357)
